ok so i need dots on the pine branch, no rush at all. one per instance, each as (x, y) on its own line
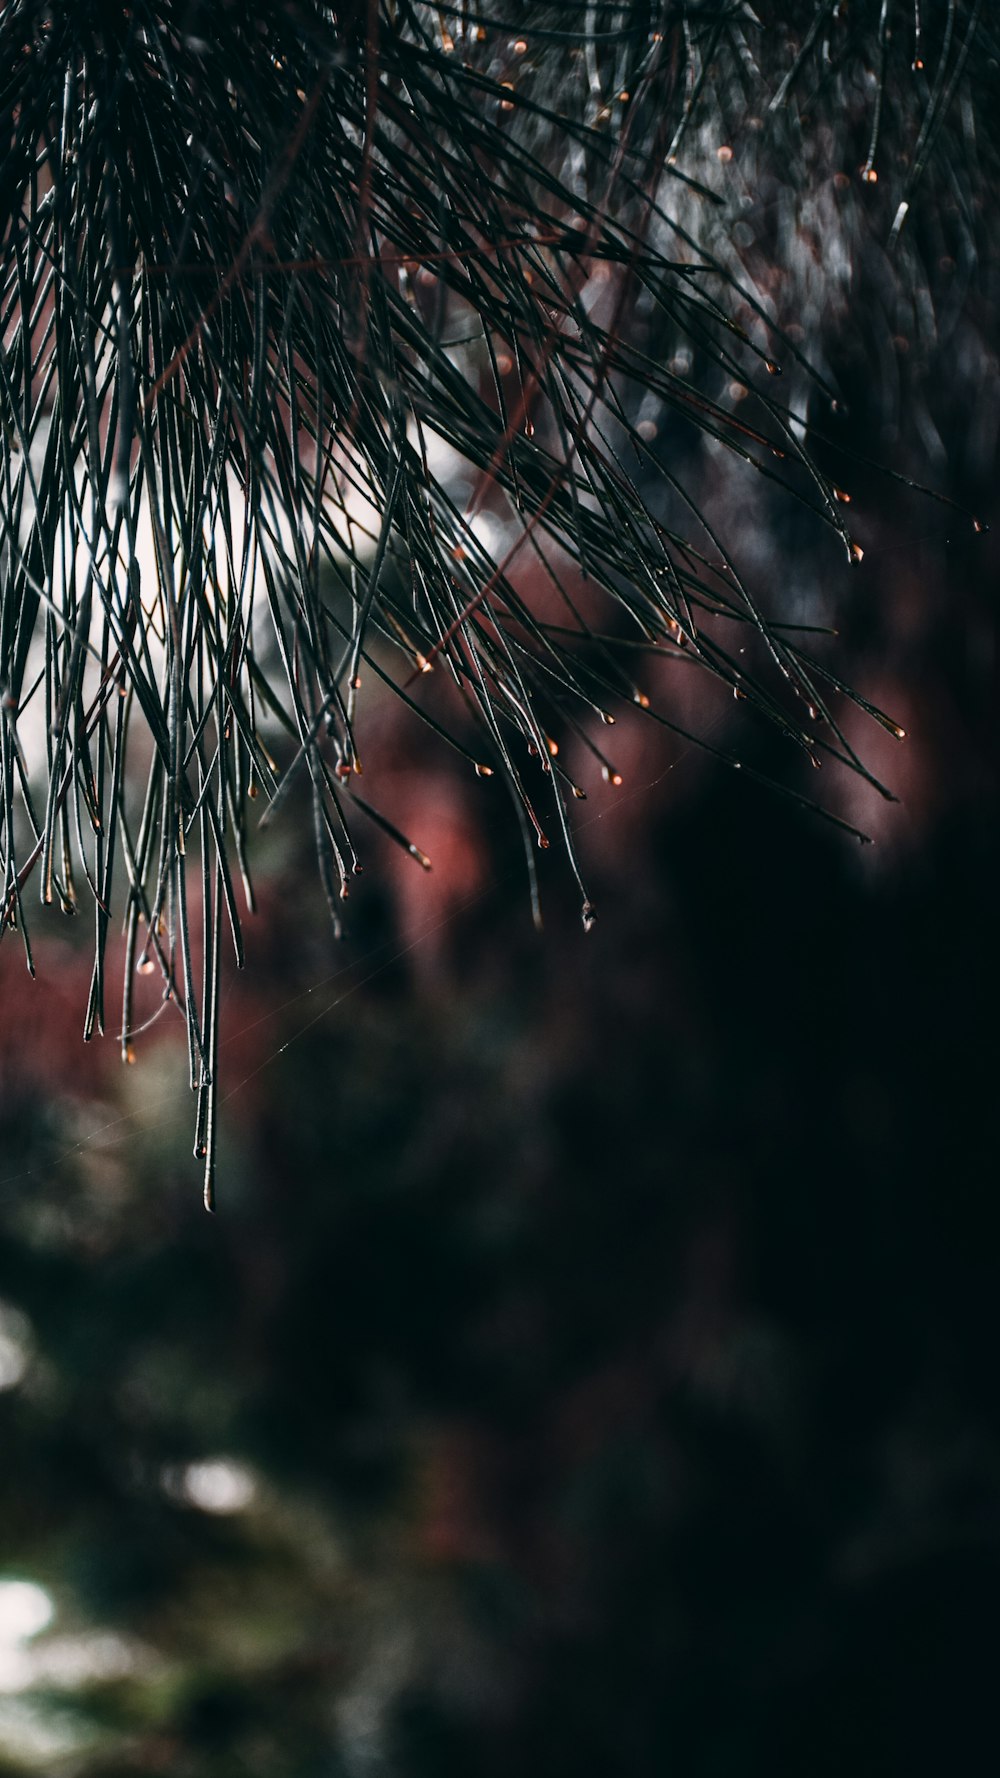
(259, 264)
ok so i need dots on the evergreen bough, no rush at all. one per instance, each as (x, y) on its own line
(261, 262)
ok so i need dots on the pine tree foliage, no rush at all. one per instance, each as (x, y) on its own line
(261, 265)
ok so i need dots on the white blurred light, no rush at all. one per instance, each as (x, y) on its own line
(15, 1346)
(490, 530)
(25, 1610)
(65, 1663)
(216, 1485)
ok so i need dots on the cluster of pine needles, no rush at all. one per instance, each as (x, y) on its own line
(260, 266)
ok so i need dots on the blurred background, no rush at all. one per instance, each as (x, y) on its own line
(592, 1366)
